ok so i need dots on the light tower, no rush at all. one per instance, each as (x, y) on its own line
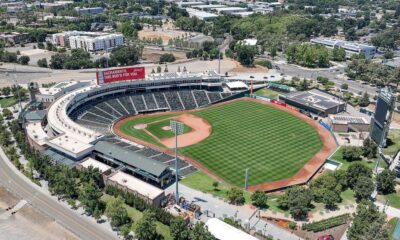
(177, 128)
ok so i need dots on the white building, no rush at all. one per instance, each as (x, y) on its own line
(231, 10)
(49, 95)
(93, 44)
(223, 231)
(201, 14)
(350, 47)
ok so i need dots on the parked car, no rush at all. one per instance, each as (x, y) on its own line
(326, 237)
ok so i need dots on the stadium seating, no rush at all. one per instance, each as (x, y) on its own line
(201, 98)
(150, 101)
(174, 100)
(138, 102)
(126, 102)
(100, 115)
(214, 96)
(160, 98)
(187, 99)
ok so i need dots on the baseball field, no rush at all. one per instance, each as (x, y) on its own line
(241, 134)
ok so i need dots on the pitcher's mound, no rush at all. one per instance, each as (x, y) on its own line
(140, 126)
(166, 128)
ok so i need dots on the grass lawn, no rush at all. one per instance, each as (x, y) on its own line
(338, 156)
(394, 199)
(156, 129)
(202, 182)
(267, 93)
(8, 102)
(136, 215)
(392, 225)
(273, 143)
(394, 143)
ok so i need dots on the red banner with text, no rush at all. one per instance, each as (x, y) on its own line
(120, 74)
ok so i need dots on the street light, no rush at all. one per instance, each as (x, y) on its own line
(176, 128)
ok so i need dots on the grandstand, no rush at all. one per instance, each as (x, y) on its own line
(100, 115)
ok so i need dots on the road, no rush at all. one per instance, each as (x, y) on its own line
(335, 74)
(17, 183)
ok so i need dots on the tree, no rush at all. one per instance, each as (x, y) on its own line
(116, 212)
(297, 200)
(125, 230)
(145, 228)
(259, 198)
(355, 171)
(97, 214)
(167, 57)
(158, 69)
(363, 188)
(369, 148)
(338, 54)
(7, 113)
(42, 62)
(344, 86)
(351, 153)
(273, 52)
(24, 60)
(89, 196)
(6, 91)
(57, 61)
(128, 30)
(245, 54)
(200, 232)
(368, 223)
(364, 101)
(235, 196)
(330, 198)
(125, 55)
(179, 230)
(385, 181)
(215, 185)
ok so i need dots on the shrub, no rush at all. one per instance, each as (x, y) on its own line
(326, 223)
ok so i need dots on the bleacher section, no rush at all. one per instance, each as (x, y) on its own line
(138, 102)
(150, 102)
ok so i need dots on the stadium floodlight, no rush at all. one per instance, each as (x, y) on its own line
(176, 128)
(246, 181)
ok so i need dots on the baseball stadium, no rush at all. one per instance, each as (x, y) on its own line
(126, 125)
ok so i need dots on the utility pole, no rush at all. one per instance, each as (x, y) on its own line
(177, 128)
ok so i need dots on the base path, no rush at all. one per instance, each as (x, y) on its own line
(201, 129)
(301, 177)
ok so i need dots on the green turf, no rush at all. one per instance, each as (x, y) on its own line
(8, 102)
(393, 143)
(156, 129)
(267, 93)
(272, 143)
(128, 128)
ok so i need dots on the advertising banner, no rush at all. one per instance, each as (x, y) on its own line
(120, 74)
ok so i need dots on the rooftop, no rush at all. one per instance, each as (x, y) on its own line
(91, 162)
(343, 119)
(316, 99)
(70, 144)
(59, 158)
(36, 133)
(131, 158)
(223, 231)
(136, 185)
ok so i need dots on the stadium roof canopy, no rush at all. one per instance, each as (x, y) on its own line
(131, 158)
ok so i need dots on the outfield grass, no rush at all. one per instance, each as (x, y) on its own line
(8, 102)
(156, 129)
(272, 143)
(392, 225)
